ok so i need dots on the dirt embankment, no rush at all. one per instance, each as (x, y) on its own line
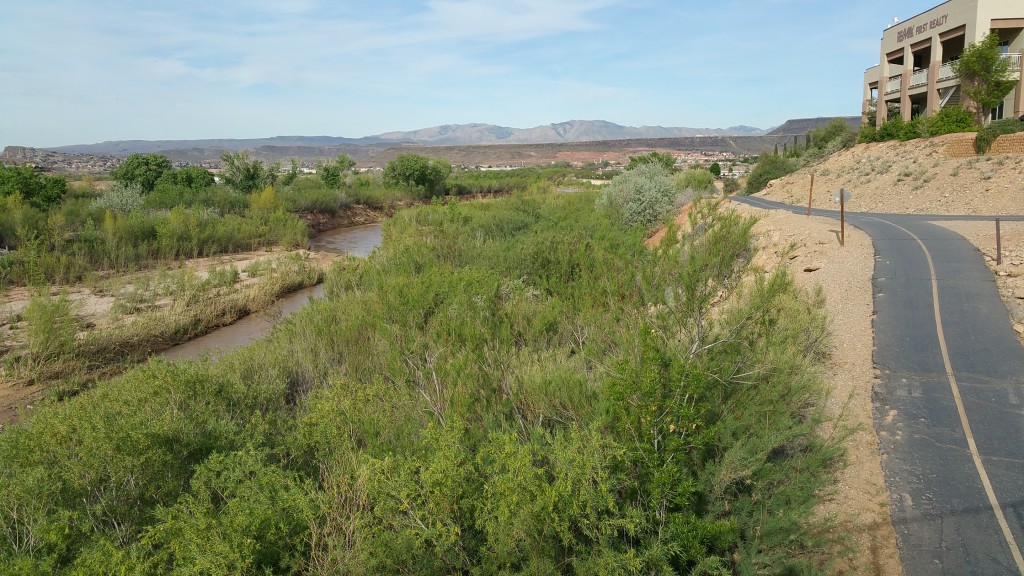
(916, 177)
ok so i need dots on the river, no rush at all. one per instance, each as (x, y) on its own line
(356, 241)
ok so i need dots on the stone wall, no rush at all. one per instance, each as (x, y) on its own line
(1008, 144)
(962, 147)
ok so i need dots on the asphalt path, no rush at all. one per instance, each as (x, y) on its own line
(949, 401)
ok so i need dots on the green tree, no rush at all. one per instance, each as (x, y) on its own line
(428, 174)
(291, 175)
(142, 169)
(192, 177)
(984, 75)
(38, 190)
(333, 173)
(665, 160)
(768, 168)
(247, 175)
(716, 169)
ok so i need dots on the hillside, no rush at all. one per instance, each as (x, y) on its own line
(910, 177)
(801, 126)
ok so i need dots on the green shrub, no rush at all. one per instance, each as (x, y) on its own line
(698, 180)
(912, 130)
(641, 196)
(51, 328)
(837, 134)
(950, 120)
(508, 386)
(120, 198)
(988, 134)
(891, 129)
(220, 198)
(768, 168)
(868, 133)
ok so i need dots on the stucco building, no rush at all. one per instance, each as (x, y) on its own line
(914, 71)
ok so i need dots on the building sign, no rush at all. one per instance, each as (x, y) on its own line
(921, 29)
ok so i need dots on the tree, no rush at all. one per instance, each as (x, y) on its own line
(193, 177)
(768, 168)
(40, 191)
(291, 175)
(142, 169)
(984, 75)
(429, 174)
(716, 169)
(247, 175)
(665, 160)
(642, 196)
(332, 174)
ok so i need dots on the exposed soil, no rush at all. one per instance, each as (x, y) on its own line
(915, 177)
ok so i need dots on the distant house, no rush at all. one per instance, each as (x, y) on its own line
(914, 73)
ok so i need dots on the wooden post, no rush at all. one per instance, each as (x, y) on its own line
(999, 246)
(842, 218)
(810, 195)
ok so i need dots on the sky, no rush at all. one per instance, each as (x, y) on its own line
(79, 72)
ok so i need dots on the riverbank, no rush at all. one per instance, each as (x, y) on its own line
(60, 341)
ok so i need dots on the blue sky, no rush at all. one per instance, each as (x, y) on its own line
(76, 72)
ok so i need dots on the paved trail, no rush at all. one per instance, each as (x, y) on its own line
(949, 403)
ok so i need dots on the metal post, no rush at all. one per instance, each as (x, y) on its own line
(999, 246)
(842, 218)
(810, 195)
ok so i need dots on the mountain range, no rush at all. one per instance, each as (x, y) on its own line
(446, 135)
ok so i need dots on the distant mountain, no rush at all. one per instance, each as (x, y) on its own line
(447, 135)
(801, 126)
(562, 132)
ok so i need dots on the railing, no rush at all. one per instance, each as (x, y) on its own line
(919, 78)
(946, 72)
(893, 85)
(1014, 59)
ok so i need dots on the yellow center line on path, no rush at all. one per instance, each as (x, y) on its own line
(964, 422)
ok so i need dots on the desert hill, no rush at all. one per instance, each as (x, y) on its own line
(801, 126)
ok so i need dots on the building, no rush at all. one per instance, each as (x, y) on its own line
(914, 73)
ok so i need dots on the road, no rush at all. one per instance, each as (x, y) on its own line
(949, 401)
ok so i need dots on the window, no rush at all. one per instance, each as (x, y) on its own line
(997, 112)
(1004, 47)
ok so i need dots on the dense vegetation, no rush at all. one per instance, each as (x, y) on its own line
(819, 143)
(949, 120)
(154, 213)
(515, 386)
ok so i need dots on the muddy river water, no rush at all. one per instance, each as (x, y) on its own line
(356, 241)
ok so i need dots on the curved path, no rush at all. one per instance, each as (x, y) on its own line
(949, 401)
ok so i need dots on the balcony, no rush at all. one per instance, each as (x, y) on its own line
(893, 85)
(1014, 61)
(920, 77)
